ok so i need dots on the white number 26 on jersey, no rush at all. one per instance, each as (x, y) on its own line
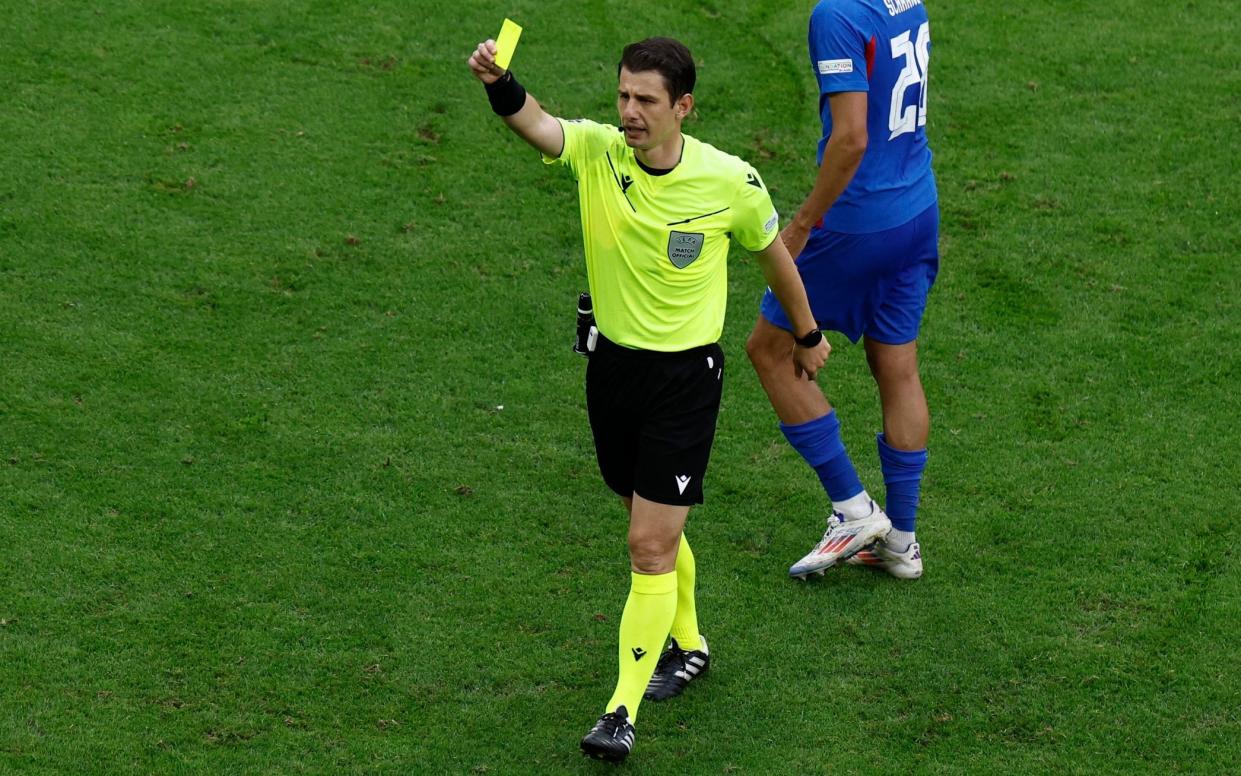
(917, 54)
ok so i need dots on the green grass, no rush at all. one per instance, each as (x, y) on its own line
(268, 273)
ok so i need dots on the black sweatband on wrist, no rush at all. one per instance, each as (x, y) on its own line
(506, 95)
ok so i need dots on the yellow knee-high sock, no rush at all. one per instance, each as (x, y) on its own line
(685, 623)
(643, 631)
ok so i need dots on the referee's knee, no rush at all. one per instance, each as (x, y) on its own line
(650, 556)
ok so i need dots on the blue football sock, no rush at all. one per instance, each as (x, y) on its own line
(902, 474)
(819, 443)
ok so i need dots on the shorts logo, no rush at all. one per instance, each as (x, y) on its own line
(682, 482)
(683, 248)
(835, 66)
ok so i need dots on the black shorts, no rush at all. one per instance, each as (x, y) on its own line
(653, 417)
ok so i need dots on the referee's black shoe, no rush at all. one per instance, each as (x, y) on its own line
(611, 738)
(676, 668)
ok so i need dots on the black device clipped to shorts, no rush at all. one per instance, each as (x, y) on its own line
(587, 334)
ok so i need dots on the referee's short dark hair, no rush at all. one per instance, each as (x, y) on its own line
(669, 57)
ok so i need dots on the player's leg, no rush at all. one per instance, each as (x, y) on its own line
(906, 419)
(796, 400)
(807, 420)
(811, 426)
(892, 353)
(906, 426)
(902, 457)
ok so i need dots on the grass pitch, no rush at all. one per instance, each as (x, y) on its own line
(295, 475)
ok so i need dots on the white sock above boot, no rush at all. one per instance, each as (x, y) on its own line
(855, 508)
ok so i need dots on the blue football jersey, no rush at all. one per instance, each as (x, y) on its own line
(881, 47)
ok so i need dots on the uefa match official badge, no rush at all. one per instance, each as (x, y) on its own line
(684, 247)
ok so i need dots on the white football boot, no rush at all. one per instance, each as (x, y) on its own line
(902, 565)
(841, 540)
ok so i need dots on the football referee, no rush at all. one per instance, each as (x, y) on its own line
(658, 209)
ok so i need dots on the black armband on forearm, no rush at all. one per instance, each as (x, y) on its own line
(506, 95)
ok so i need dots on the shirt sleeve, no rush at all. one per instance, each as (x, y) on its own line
(584, 141)
(755, 221)
(838, 48)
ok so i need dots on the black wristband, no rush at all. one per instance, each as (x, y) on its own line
(506, 95)
(811, 340)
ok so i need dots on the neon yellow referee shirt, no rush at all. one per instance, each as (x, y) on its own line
(657, 245)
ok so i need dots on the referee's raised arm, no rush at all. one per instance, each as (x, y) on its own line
(511, 102)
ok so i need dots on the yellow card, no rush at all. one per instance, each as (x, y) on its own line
(506, 42)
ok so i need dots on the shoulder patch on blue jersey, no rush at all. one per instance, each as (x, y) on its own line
(834, 66)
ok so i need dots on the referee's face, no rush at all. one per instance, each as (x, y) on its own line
(647, 114)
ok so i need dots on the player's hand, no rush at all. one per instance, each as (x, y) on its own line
(483, 63)
(794, 238)
(808, 361)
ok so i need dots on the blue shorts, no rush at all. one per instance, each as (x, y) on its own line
(873, 285)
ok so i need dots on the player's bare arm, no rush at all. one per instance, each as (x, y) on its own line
(530, 122)
(786, 284)
(841, 158)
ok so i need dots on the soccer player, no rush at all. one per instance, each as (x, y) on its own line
(866, 242)
(658, 209)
